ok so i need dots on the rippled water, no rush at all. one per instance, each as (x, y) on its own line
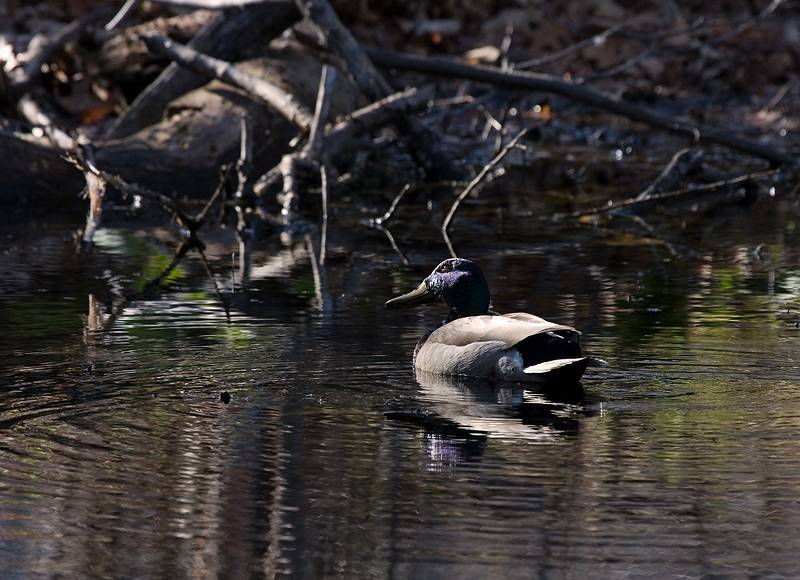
(118, 458)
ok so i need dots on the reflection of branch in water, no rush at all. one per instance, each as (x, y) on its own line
(182, 250)
(395, 247)
(95, 323)
(324, 301)
(379, 223)
(214, 283)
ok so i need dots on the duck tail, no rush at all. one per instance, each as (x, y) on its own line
(560, 365)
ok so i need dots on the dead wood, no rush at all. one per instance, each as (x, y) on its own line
(293, 165)
(200, 133)
(339, 138)
(125, 56)
(230, 36)
(244, 166)
(22, 80)
(423, 143)
(322, 111)
(34, 172)
(691, 193)
(283, 102)
(398, 106)
(581, 94)
(340, 42)
(95, 191)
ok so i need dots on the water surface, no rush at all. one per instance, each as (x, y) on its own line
(118, 457)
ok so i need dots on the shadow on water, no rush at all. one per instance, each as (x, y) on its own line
(119, 456)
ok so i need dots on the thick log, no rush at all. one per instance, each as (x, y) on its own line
(283, 102)
(232, 35)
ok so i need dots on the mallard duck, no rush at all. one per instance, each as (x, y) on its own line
(472, 342)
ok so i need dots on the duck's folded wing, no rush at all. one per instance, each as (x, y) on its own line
(509, 329)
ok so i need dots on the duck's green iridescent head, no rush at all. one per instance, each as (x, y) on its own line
(457, 282)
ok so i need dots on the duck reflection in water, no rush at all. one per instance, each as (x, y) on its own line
(460, 415)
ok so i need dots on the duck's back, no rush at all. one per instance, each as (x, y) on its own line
(485, 345)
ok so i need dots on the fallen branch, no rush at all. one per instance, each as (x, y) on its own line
(38, 53)
(489, 167)
(374, 116)
(307, 160)
(228, 37)
(579, 93)
(283, 102)
(634, 204)
(422, 143)
(22, 80)
(341, 42)
(340, 136)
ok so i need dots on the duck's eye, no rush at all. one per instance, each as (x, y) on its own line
(444, 268)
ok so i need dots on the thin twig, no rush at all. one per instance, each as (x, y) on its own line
(316, 272)
(384, 219)
(322, 111)
(223, 177)
(665, 172)
(595, 40)
(245, 163)
(122, 14)
(772, 7)
(618, 68)
(782, 92)
(323, 179)
(489, 167)
(505, 45)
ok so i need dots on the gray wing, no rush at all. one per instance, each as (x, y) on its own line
(508, 329)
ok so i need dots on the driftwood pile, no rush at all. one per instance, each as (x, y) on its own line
(261, 136)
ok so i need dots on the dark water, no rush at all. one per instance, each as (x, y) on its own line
(119, 460)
